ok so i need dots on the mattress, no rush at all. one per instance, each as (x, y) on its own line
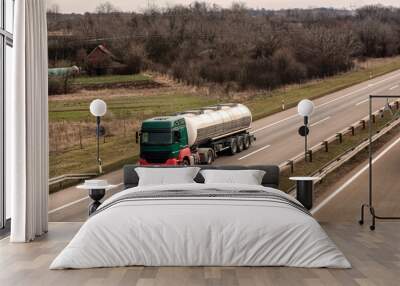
(201, 225)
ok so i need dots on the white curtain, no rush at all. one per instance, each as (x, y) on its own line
(27, 124)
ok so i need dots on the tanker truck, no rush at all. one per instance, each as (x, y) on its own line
(195, 136)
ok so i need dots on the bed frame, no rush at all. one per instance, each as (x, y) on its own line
(270, 179)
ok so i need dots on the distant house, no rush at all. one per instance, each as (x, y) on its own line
(103, 61)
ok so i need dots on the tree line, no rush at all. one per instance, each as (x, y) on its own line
(203, 43)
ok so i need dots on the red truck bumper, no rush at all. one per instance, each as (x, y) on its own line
(169, 162)
(184, 153)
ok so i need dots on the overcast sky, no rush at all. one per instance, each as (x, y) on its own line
(81, 6)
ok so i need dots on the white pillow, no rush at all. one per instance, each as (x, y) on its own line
(242, 177)
(166, 176)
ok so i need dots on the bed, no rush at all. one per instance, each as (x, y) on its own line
(201, 224)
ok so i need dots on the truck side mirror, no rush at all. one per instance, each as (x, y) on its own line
(177, 136)
(137, 137)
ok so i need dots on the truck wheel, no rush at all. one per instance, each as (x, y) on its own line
(210, 157)
(233, 147)
(247, 142)
(186, 162)
(240, 144)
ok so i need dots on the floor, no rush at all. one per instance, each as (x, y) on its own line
(375, 257)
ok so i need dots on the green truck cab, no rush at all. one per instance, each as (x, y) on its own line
(164, 140)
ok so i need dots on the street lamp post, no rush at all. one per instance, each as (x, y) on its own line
(98, 108)
(305, 108)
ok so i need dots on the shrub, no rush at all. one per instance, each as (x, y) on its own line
(134, 59)
(59, 85)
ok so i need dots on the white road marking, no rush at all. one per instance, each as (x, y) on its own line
(361, 102)
(394, 87)
(353, 178)
(328, 102)
(319, 122)
(343, 96)
(75, 202)
(361, 89)
(275, 123)
(252, 153)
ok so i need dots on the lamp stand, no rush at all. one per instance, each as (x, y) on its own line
(98, 144)
(370, 202)
(305, 138)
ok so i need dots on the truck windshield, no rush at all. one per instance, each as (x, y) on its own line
(156, 138)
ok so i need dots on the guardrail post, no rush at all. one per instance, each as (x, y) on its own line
(363, 124)
(397, 104)
(325, 143)
(340, 137)
(310, 155)
(353, 130)
(373, 118)
(382, 113)
(291, 164)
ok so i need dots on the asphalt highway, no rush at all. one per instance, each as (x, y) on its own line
(277, 137)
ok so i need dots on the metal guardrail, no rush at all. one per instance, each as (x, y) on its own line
(348, 154)
(69, 177)
(325, 143)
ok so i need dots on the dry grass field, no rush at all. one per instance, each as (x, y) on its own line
(72, 127)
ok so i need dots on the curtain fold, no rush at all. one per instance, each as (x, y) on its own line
(27, 124)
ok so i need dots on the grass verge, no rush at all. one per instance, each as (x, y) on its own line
(135, 106)
(322, 188)
(110, 79)
(115, 152)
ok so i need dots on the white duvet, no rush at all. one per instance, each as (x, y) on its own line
(192, 231)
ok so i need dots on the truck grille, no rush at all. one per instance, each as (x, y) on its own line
(155, 156)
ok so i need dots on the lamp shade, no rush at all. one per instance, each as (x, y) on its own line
(98, 107)
(305, 107)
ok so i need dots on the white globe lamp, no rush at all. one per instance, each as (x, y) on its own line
(305, 107)
(98, 108)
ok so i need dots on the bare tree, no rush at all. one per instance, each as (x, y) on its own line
(235, 47)
(54, 9)
(106, 8)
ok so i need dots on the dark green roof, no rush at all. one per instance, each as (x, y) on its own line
(163, 122)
